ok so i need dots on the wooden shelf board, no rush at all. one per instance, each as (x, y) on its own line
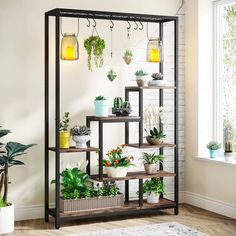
(130, 207)
(136, 88)
(74, 149)
(146, 145)
(136, 175)
(113, 118)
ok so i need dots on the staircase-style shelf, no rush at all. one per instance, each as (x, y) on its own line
(130, 207)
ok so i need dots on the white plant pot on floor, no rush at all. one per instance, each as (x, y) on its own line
(117, 172)
(7, 219)
(81, 141)
(153, 198)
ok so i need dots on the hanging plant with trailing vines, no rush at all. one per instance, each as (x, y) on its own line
(94, 45)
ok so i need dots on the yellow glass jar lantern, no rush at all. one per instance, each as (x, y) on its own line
(154, 50)
(69, 47)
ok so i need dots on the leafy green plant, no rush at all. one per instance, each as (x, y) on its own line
(64, 123)
(108, 189)
(2, 204)
(155, 133)
(111, 74)
(157, 76)
(154, 185)
(214, 145)
(116, 158)
(95, 45)
(128, 53)
(152, 158)
(140, 73)
(7, 160)
(80, 130)
(100, 98)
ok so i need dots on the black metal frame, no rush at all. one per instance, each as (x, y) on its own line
(102, 15)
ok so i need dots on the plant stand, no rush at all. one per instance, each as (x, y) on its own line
(130, 207)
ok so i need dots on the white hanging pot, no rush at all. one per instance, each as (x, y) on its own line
(153, 198)
(7, 219)
(117, 172)
(81, 141)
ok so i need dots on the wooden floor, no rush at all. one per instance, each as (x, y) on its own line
(202, 220)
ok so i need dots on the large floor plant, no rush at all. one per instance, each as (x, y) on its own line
(8, 159)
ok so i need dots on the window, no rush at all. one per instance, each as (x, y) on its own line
(225, 71)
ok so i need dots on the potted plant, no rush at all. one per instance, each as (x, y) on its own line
(214, 147)
(111, 74)
(81, 135)
(151, 161)
(228, 150)
(7, 160)
(157, 80)
(117, 163)
(94, 45)
(64, 131)
(78, 193)
(153, 189)
(128, 56)
(101, 106)
(155, 136)
(141, 78)
(121, 108)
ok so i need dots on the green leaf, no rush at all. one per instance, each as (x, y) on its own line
(16, 149)
(4, 132)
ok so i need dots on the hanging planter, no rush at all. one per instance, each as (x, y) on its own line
(128, 56)
(111, 74)
(94, 45)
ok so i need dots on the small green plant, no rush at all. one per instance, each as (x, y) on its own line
(108, 189)
(214, 145)
(157, 76)
(80, 130)
(155, 133)
(152, 158)
(111, 75)
(126, 104)
(154, 185)
(228, 147)
(118, 102)
(140, 73)
(64, 123)
(128, 53)
(2, 204)
(95, 45)
(100, 98)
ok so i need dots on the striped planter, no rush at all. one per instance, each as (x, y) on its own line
(91, 203)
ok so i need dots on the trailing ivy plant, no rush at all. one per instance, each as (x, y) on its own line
(94, 45)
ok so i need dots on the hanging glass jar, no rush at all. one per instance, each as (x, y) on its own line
(154, 50)
(69, 47)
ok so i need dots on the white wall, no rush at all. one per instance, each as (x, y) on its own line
(22, 83)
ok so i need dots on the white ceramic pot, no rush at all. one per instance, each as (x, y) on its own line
(153, 198)
(228, 156)
(156, 83)
(117, 172)
(7, 219)
(141, 81)
(81, 141)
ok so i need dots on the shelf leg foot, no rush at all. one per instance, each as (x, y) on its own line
(126, 190)
(57, 223)
(176, 210)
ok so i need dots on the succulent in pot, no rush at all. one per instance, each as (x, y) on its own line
(214, 147)
(64, 131)
(153, 189)
(228, 150)
(157, 80)
(8, 159)
(101, 105)
(128, 56)
(121, 108)
(81, 135)
(151, 162)
(155, 136)
(141, 78)
(111, 74)
(117, 163)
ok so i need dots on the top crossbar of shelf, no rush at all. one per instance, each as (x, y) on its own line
(105, 15)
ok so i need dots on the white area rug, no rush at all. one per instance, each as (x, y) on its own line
(165, 229)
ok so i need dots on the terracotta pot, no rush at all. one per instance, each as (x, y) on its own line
(154, 141)
(117, 172)
(151, 169)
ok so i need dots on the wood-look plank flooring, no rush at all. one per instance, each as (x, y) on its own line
(204, 221)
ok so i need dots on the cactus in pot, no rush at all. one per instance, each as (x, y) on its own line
(118, 102)
(121, 108)
(228, 149)
(126, 104)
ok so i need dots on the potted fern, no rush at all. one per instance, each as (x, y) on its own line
(7, 160)
(151, 161)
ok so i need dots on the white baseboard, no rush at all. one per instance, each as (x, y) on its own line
(37, 211)
(210, 204)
